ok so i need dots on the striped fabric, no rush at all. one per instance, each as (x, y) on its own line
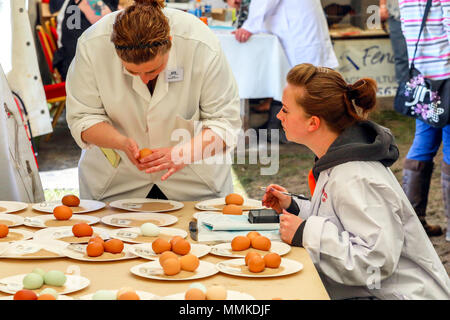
(433, 54)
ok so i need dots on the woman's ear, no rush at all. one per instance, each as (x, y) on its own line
(313, 124)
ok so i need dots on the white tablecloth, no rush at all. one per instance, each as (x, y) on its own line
(259, 65)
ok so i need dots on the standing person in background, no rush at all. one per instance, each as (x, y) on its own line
(90, 12)
(433, 61)
(390, 12)
(302, 29)
(242, 7)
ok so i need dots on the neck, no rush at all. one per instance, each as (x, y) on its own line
(321, 142)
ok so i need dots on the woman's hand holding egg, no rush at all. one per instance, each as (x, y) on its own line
(131, 149)
(161, 159)
(273, 198)
(289, 224)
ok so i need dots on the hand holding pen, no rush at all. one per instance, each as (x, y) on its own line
(278, 198)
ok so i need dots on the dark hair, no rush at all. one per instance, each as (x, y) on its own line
(327, 95)
(141, 32)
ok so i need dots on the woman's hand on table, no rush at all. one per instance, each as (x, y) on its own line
(289, 223)
(273, 198)
(242, 35)
(161, 159)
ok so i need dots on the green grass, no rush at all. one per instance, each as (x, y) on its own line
(57, 194)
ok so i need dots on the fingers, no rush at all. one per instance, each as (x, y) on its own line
(158, 168)
(168, 174)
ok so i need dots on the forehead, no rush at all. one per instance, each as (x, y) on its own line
(292, 92)
(148, 66)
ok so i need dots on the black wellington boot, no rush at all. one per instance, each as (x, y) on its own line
(416, 184)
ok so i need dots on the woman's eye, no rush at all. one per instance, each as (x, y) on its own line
(284, 110)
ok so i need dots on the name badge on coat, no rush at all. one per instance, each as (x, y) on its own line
(174, 75)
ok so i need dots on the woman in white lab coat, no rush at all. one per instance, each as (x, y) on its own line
(301, 27)
(359, 227)
(148, 77)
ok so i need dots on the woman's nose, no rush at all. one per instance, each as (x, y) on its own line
(280, 116)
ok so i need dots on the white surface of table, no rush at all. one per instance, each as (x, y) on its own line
(259, 65)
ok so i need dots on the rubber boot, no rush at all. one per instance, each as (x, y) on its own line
(445, 181)
(416, 184)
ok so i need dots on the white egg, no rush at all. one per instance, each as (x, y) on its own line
(150, 230)
(198, 285)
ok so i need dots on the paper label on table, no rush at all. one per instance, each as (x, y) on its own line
(122, 222)
(127, 234)
(33, 222)
(146, 252)
(25, 249)
(63, 234)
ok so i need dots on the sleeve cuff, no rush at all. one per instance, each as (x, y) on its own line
(293, 207)
(297, 240)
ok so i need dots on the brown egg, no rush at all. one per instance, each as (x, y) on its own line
(62, 212)
(189, 262)
(144, 152)
(240, 243)
(194, 294)
(234, 198)
(25, 294)
(171, 266)
(46, 296)
(97, 239)
(70, 200)
(253, 234)
(175, 239)
(249, 255)
(129, 295)
(4, 230)
(261, 243)
(256, 264)
(94, 249)
(82, 230)
(166, 255)
(232, 209)
(160, 245)
(113, 246)
(181, 247)
(272, 260)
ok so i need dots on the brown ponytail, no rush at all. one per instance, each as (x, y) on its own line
(326, 95)
(141, 32)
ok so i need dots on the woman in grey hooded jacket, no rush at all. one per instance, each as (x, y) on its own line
(359, 227)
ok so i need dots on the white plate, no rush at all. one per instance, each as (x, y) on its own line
(86, 205)
(60, 297)
(144, 250)
(233, 267)
(16, 250)
(125, 219)
(224, 250)
(15, 220)
(135, 204)
(153, 270)
(131, 234)
(231, 295)
(39, 221)
(142, 295)
(26, 235)
(78, 251)
(57, 233)
(14, 283)
(207, 205)
(12, 206)
(195, 215)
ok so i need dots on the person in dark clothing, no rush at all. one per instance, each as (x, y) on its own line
(56, 5)
(90, 11)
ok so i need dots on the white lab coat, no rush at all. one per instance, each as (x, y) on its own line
(99, 89)
(299, 24)
(365, 238)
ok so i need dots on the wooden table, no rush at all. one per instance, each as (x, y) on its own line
(305, 284)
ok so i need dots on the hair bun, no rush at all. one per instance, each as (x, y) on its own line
(363, 92)
(155, 3)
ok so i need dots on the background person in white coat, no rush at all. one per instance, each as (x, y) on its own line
(140, 75)
(302, 29)
(359, 227)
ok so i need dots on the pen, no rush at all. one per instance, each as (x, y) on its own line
(299, 196)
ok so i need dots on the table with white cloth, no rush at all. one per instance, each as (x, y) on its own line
(259, 65)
